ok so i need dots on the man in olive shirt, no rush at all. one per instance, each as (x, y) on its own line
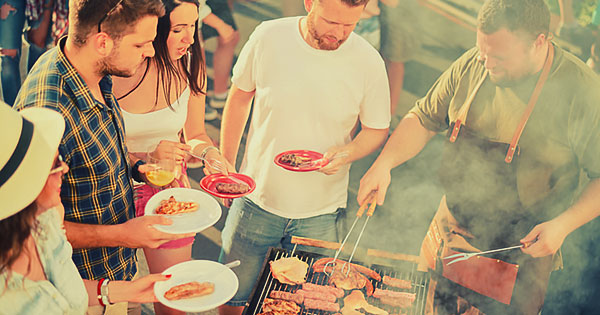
(511, 167)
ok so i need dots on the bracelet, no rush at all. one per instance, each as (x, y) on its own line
(104, 292)
(205, 151)
(100, 292)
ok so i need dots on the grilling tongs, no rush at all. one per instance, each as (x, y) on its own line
(371, 199)
(465, 256)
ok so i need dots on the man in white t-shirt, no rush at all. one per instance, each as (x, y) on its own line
(312, 80)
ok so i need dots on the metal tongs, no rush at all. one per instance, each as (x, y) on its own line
(465, 256)
(371, 199)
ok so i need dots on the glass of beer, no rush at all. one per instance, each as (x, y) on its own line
(163, 169)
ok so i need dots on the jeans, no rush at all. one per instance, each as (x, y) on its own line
(250, 231)
(11, 30)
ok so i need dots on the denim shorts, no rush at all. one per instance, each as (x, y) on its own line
(250, 231)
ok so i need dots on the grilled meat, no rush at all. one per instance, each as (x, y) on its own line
(279, 306)
(319, 266)
(293, 159)
(289, 270)
(232, 188)
(316, 295)
(395, 298)
(288, 296)
(321, 305)
(356, 301)
(189, 290)
(326, 289)
(398, 283)
(172, 206)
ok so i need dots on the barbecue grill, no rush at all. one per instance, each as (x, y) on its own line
(406, 270)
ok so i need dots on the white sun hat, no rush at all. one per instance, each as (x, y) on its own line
(29, 142)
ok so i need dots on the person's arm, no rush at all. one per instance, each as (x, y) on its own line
(135, 233)
(409, 138)
(367, 141)
(235, 116)
(140, 291)
(547, 237)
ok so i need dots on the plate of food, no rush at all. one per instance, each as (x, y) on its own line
(196, 286)
(234, 185)
(191, 210)
(301, 160)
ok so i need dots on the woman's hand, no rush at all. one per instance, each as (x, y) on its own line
(216, 163)
(171, 150)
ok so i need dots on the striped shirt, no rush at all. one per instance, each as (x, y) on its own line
(98, 187)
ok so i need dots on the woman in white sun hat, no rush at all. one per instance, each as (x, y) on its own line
(37, 275)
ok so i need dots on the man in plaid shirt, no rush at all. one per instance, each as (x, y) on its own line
(105, 38)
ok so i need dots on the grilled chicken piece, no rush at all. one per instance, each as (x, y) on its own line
(356, 301)
(189, 290)
(279, 306)
(289, 270)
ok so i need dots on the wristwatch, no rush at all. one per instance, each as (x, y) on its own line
(135, 171)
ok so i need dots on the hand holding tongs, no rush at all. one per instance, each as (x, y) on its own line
(465, 256)
(371, 199)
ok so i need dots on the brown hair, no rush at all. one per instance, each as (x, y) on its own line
(14, 231)
(85, 15)
(531, 17)
(351, 3)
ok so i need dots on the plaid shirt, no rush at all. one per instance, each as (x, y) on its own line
(98, 187)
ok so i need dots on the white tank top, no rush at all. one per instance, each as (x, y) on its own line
(145, 130)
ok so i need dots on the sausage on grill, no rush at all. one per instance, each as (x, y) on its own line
(321, 305)
(325, 296)
(337, 292)
(395, 298)
(288, 296)
(398, 283)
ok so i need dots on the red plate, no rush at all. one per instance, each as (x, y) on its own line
(209, 184)
(312, 155)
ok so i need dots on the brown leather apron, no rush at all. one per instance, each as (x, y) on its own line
(481, 210)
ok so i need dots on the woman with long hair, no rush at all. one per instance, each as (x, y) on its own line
(163, 109)
(37, 275)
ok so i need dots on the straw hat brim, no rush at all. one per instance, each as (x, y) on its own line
(28, 180)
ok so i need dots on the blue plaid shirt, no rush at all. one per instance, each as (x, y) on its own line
(98, 187)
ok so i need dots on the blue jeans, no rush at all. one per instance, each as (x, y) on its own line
(250, 231)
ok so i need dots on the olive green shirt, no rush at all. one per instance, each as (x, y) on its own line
(561, 138)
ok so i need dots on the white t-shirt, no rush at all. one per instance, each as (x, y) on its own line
(306, 99)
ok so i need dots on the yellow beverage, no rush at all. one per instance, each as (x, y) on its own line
(160, 177)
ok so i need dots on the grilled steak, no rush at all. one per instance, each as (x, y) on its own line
(189, 290)
(321, 305)
(232, 188)
(288, 296)
(398, 283)
(292, 159)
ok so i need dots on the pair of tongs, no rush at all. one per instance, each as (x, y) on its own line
(465, 256)
(371, 199)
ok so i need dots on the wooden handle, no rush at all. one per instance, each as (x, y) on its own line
(370, 200)
(314, 242)
(395, 256)
(371, 208)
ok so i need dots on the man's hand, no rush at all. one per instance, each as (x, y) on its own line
(338, 157)
(550, 236)
(377, 178)
(140, 233)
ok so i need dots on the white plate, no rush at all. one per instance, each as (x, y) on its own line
(208, 213)
(226, 285)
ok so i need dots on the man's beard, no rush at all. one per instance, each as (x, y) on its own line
(106, 68)
(321, 41)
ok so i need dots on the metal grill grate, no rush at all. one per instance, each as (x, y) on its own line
(405, 270)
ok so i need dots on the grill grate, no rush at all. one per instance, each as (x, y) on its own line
(404, 270)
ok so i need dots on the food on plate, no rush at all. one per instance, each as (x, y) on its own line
(327, 289)
(316, 295)
(289, 270)
(278, 306)
(189, 290)
(293, 159)
(232, 188)
(288, 296)
(277, 313)
(355, 301)
(172, 206)
(398, 283)
(321, 305)
(395, 298)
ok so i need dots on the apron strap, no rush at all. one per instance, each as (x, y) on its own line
(532, 101)
(462, 114)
